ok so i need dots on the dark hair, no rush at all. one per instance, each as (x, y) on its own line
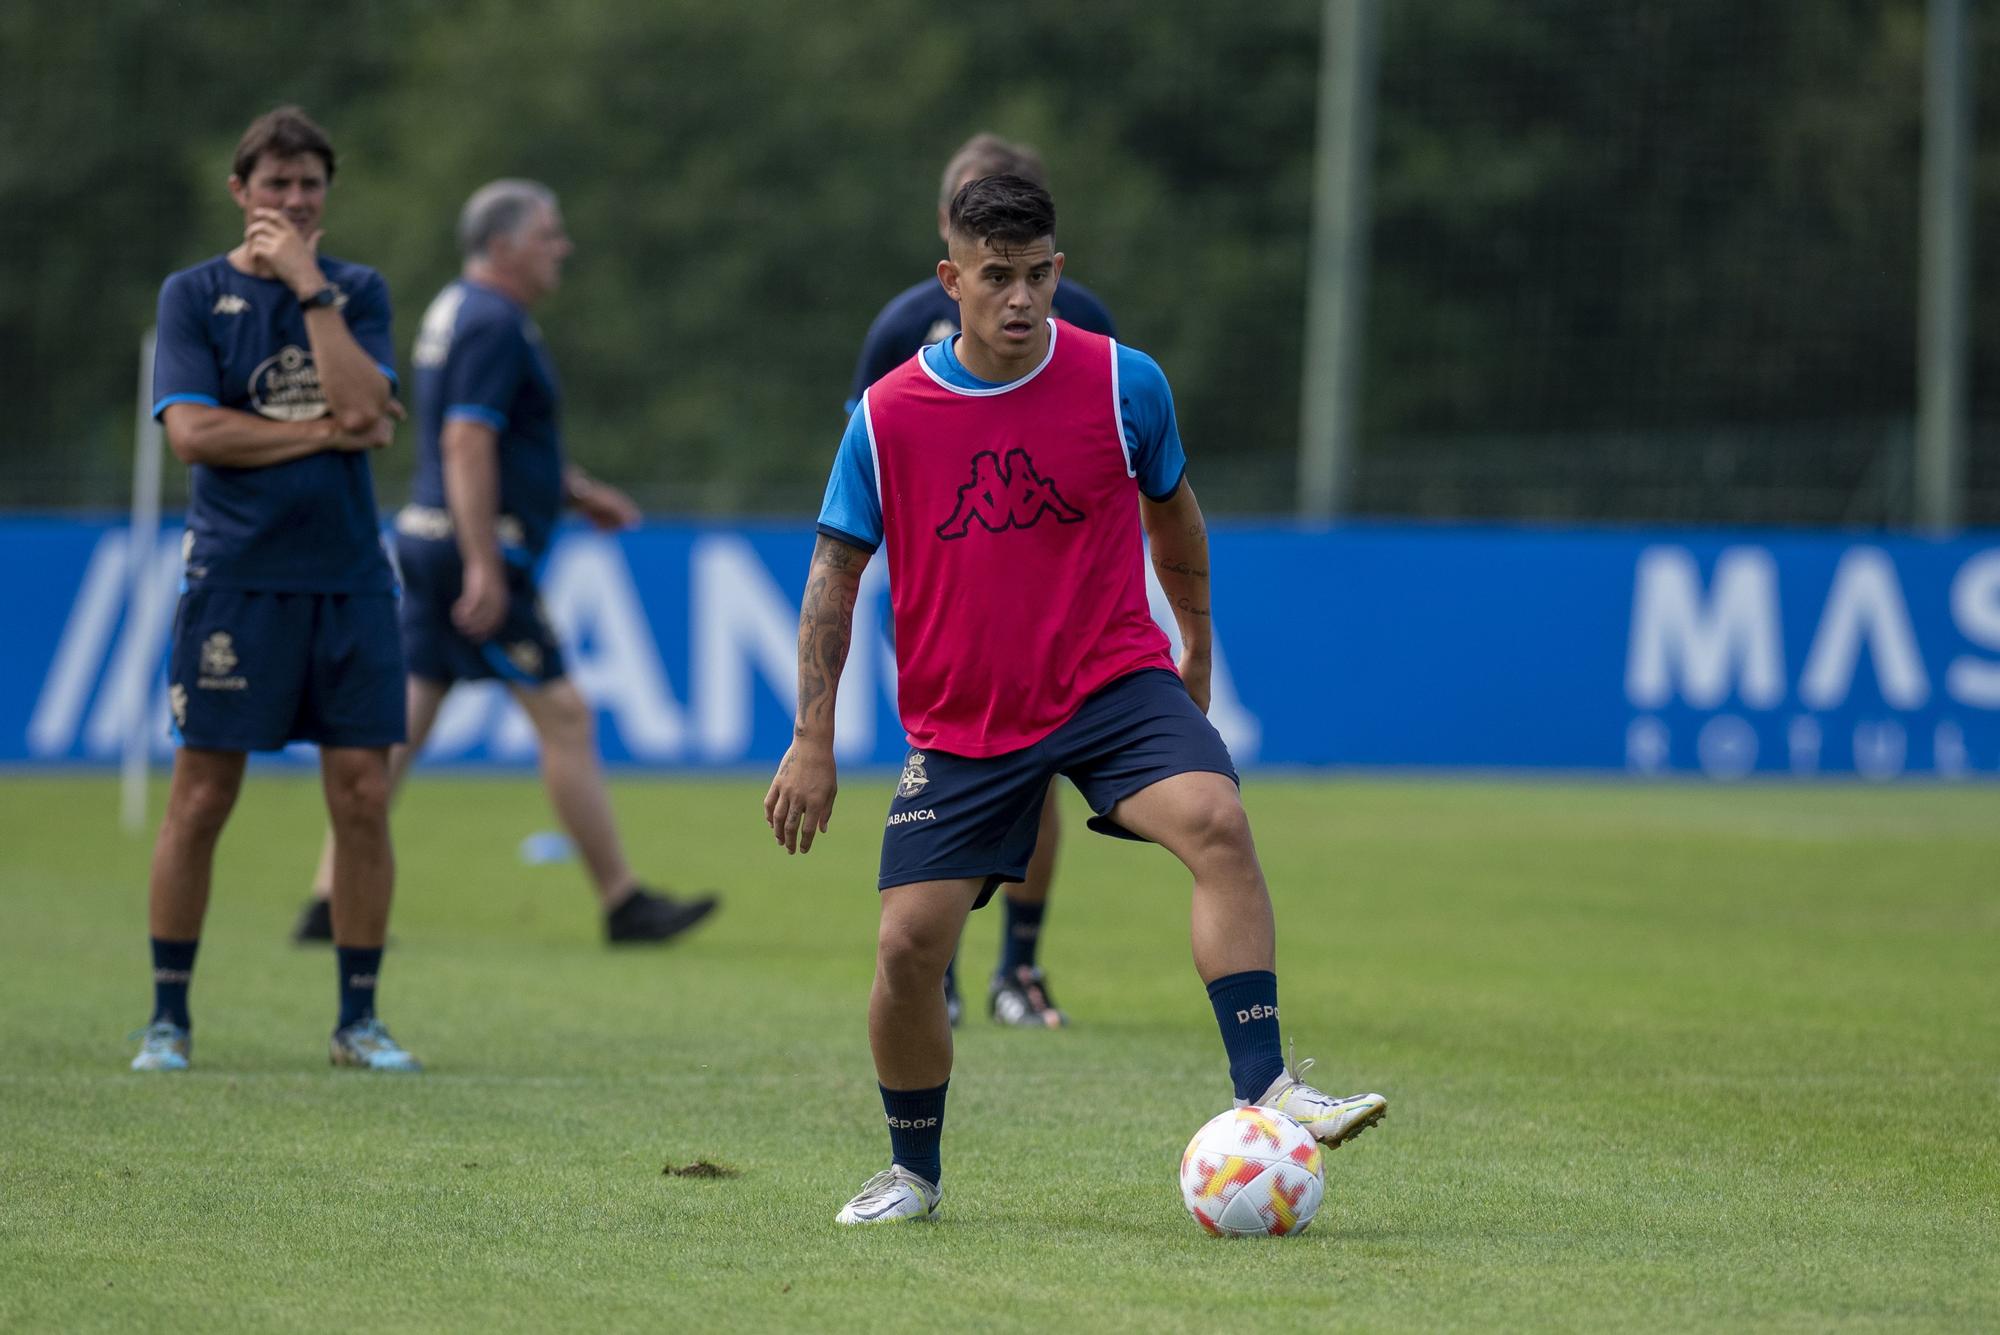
(989, 155)
(1005, 210)
(283, 133)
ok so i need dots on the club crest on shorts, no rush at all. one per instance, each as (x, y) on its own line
(218, 654)
(527, 656)
(914, 779)
(218, 663)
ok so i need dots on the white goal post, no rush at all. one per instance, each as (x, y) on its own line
(141, 540)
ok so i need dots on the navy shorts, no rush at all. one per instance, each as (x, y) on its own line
(956, 816)
(522, 651)
(251, 670)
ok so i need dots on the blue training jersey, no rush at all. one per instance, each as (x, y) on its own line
(480, 358)
(926, 314)
(852, 510)
(230, 340)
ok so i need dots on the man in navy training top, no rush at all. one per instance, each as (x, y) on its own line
(490, 485)
(272, 376)
(1018, 993)
(1008, 474)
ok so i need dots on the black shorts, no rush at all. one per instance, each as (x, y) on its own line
(956, 816)
(523, 651)
(251, 671)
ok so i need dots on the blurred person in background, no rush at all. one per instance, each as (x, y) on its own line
(273, 380)
(1018, 993)
(491, 483)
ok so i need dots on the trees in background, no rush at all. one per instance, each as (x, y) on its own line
(1588, 217)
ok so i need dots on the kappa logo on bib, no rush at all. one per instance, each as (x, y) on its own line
(1003, 496)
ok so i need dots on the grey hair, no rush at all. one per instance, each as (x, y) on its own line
(497, 209)
(987, 154)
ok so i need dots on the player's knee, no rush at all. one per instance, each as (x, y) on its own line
(1220, 829)
(359, 796)
(911, 955)
(565, 717)
(201, 806)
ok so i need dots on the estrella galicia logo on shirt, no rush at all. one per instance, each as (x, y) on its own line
(286, 388)
(1003, 496)
(914, 779)
(218, 662)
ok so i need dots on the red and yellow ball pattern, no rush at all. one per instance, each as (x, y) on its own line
(1252, 1172)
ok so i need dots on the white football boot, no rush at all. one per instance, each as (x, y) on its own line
(1331, 1121)
(891, 1196)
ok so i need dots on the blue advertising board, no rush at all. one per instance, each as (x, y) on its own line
(1651, 652)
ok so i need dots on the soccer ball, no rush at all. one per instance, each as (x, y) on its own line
(1253, 1173)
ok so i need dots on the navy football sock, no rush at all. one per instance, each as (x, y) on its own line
(1246, 1010)
(1020, 936)
(916, 1129)
(173, 970)
(358, 967)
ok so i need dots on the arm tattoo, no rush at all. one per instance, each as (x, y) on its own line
(826, 625)
(1183, 541)
(1181, 568)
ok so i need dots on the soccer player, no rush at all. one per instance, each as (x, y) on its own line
(491, 482)
(272, 377)
(1009, 472)
(1018, 993)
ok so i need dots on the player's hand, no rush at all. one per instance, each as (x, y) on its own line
(375, 437)
(274, 244)
(1197, 673)
(482, 602)
(608, 509)
(800, 801)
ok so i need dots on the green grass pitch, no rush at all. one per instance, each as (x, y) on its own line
(1659, 1058)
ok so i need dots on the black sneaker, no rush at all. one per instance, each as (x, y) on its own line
(650, 916)
(1022, 999)
(315, 924)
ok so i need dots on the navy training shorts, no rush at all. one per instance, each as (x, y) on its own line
(523, 651)
(955, 816)
(252, 670)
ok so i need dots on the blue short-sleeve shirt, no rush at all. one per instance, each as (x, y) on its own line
(232, 340)
(480, 358)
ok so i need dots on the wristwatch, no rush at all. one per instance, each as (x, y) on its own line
(326, 296)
